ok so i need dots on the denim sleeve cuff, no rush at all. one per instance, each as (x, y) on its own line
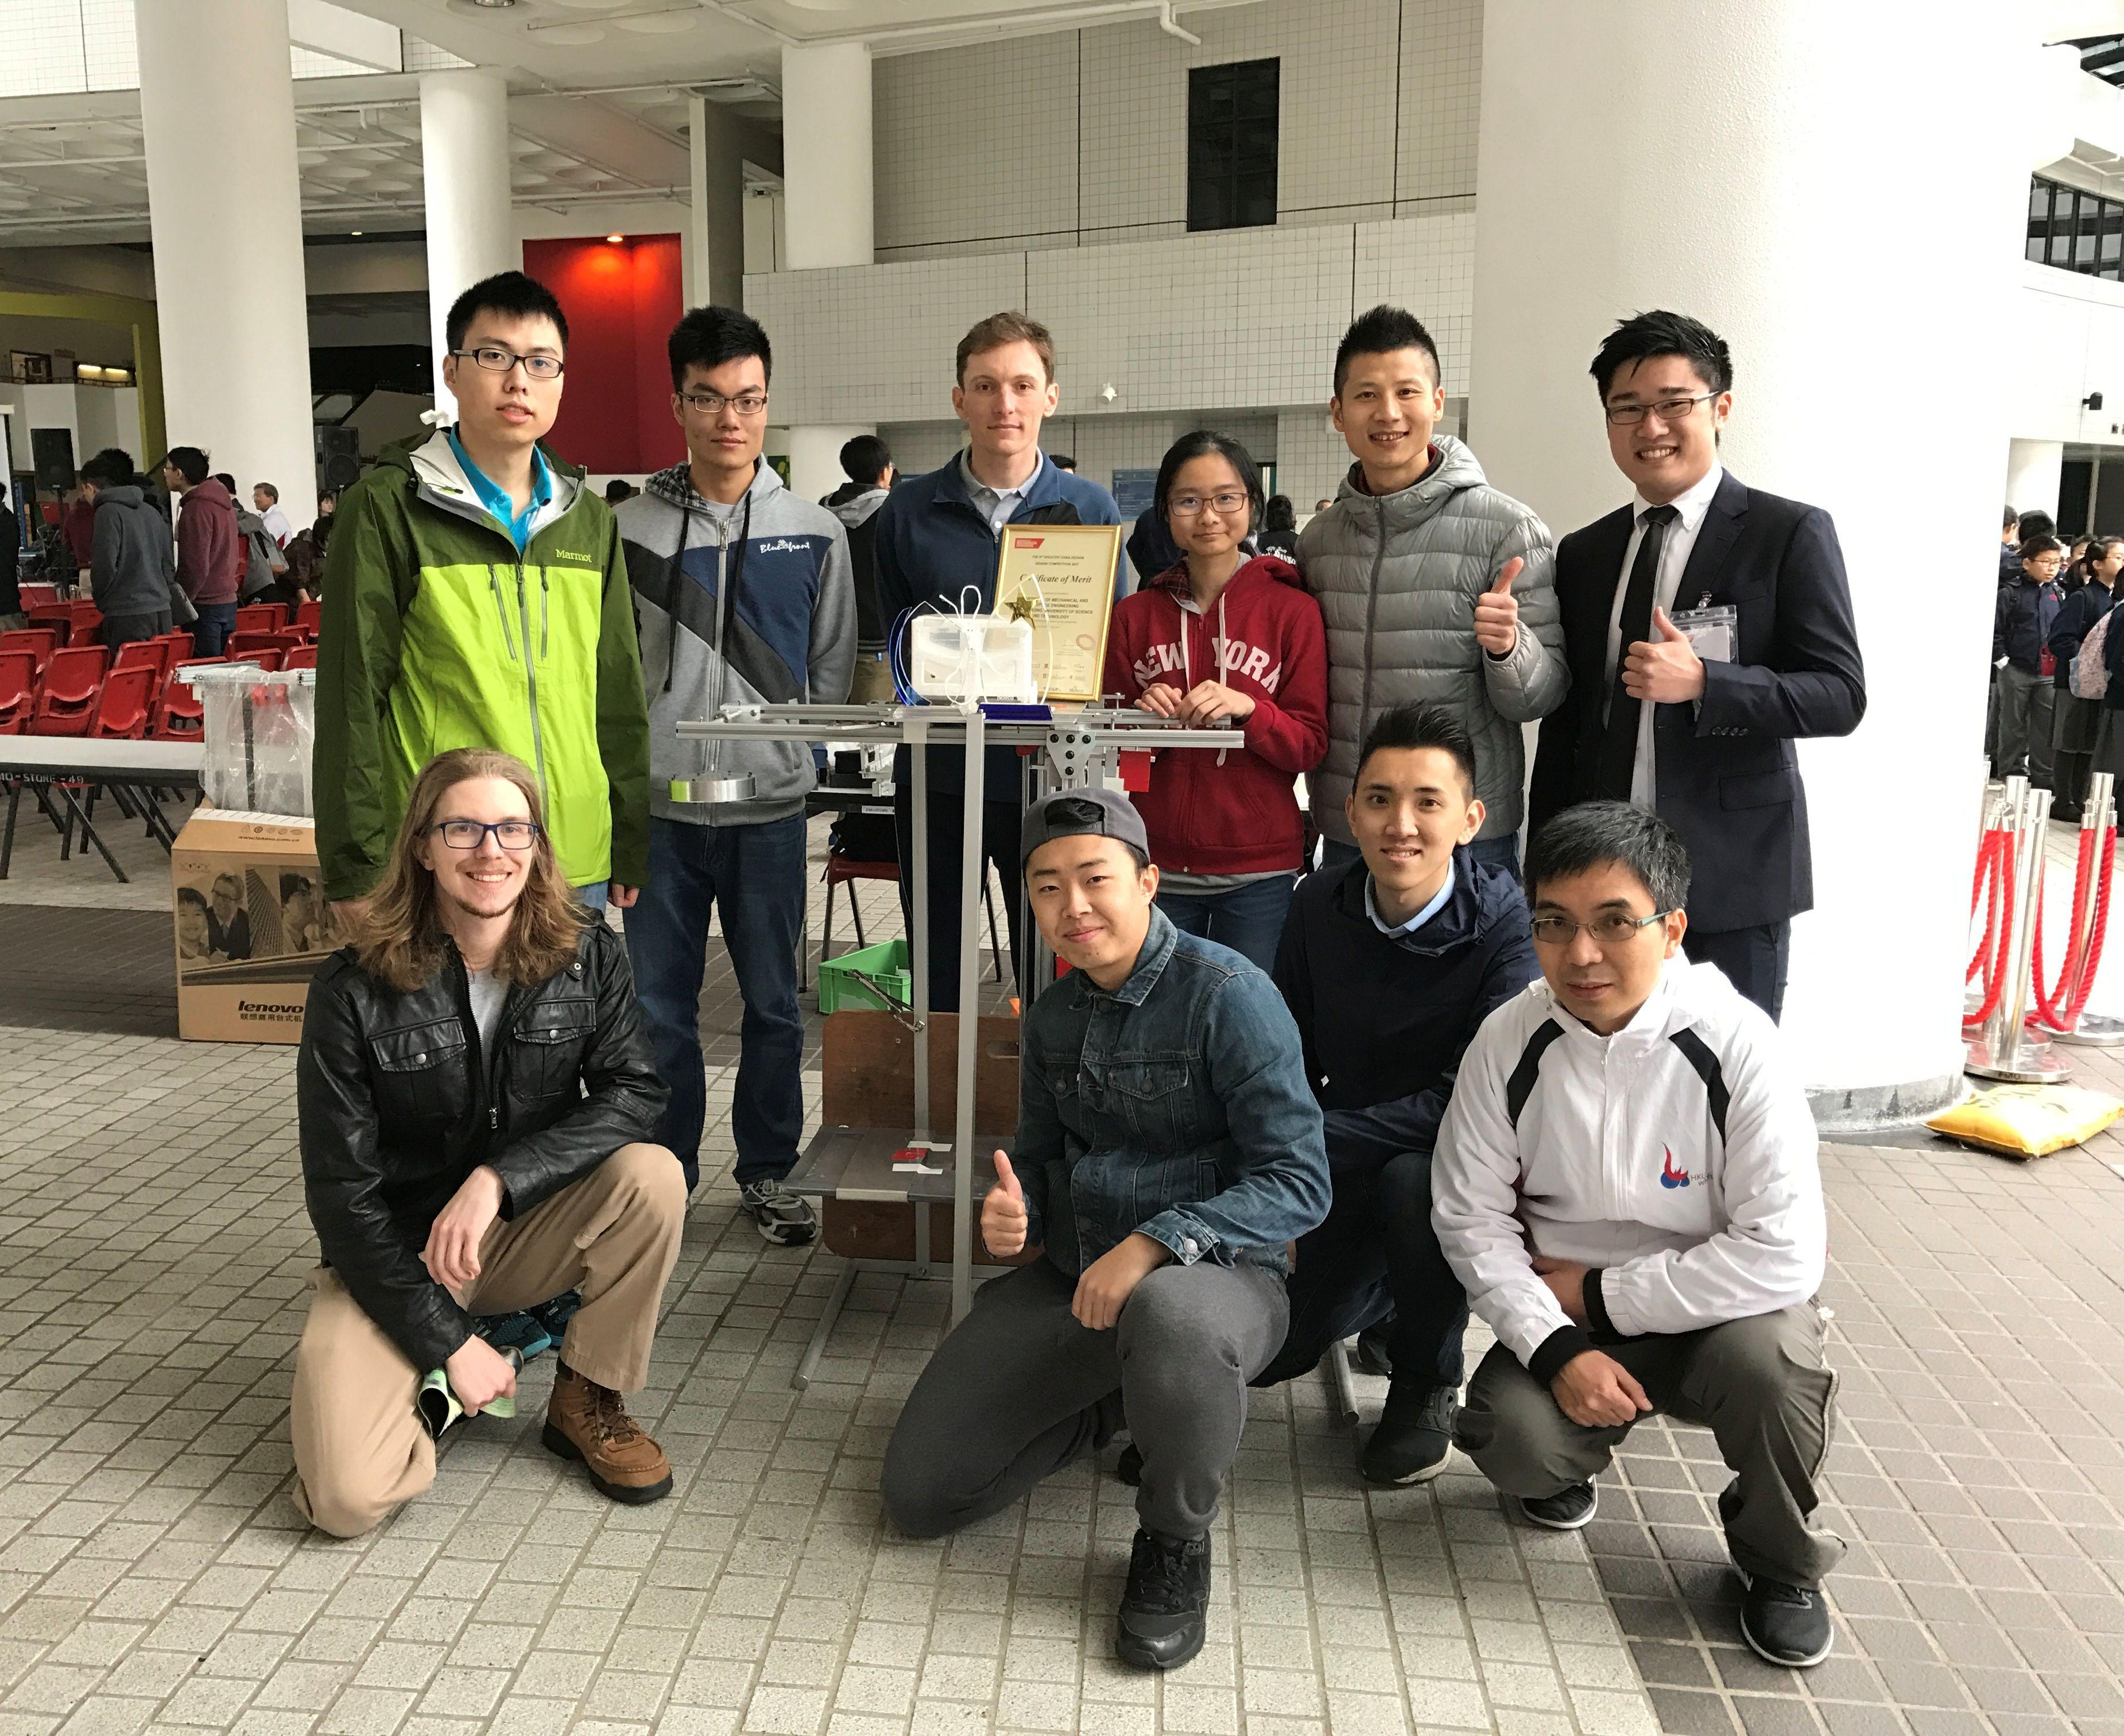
(1597, 1305)
(1553, 1352)
(1182, 1237)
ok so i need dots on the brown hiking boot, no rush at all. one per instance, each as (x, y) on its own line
(588, 1422)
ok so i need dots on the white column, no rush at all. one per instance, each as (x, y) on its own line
(2034, 469)
(225, 214)
(1658, 153)
(464, 172)
(698, 244)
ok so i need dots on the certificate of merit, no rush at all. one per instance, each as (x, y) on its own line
(1058, 580)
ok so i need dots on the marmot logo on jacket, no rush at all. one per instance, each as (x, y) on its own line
(1232, 657)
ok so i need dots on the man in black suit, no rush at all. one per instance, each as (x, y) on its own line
(1708, 625)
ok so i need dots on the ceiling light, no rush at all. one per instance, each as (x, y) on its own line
(615, 239)
(354, 232)
(495, 5)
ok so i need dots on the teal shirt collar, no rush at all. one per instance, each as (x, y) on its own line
(497, 499)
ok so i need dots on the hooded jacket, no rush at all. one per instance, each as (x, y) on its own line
(437, 634)
(1689, 1210)
(1383, 1063)
(792, 638)
(855, 505)
(211, 557)
(1227, 810)
(131, 560)
(2022, 620)
(1398, 576)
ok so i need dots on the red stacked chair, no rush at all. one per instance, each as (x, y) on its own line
(310, 617)
(124, 704)
(57, 617)
(261, 617)
(39, 642)
(66, 698)
(249, 644)
(87, 623)
(153, 654)
(180, 647)
(18, 689)
(302, 657)
(35, 595)
(179, 715)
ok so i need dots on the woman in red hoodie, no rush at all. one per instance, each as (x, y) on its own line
(1224, 635)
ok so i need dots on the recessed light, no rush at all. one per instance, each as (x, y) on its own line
(495, 5)
(354, 232)
(615, 239)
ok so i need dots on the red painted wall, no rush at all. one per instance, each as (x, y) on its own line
(621, 299)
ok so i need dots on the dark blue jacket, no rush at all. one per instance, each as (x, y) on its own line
(933, 542)
(1382, 1062)
(2023, 620)
(1176, 1105)
(2074, 621)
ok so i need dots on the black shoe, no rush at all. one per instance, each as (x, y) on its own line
(1129, 1467)
(1565, 1510)
(1786, 1625)
(1415, 1435)
(1372, 1357)
(1161, 1625)
(2065, 814)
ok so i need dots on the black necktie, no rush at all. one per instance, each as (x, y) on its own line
(1618, 747)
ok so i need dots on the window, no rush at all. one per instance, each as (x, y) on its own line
(1231, 144)
(2075, 231)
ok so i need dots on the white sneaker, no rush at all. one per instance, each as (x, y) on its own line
(783, 1218)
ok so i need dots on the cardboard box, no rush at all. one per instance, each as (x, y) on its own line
(251, 923)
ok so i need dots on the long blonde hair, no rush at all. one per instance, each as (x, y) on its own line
(400, 940)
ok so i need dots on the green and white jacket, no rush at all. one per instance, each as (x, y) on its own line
(437, 634)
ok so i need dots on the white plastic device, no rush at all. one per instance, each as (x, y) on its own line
(952, 658)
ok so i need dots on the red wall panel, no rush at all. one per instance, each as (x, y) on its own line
(621, 299)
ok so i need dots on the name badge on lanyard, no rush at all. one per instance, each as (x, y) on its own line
(1711, 631)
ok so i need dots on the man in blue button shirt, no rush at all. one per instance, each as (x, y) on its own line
(1167, 1150)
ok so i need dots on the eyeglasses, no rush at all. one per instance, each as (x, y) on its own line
(469, 835)
(747, 404)
(1669, 409)
(496, 359)
(1610, 930)
(1191, 505)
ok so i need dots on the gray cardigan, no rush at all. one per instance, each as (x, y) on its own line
(1396, 576)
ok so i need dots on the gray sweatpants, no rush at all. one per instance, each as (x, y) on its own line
(1759, 1385)
(2024, 725)
(1020, 1389)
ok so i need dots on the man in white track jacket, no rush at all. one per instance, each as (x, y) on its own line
(1626, 1184)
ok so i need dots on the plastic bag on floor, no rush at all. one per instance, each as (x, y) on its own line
(2028, 1120)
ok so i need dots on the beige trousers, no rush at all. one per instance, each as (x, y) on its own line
(359, 1449)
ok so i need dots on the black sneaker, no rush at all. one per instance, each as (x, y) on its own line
(1786, 1625)
(1415, 1435)
(1129, 1467)
(783, 1218)
(1162, 1620)
(1372, 1357)
(1565, 1510)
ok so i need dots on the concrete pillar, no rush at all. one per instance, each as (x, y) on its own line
(1655, 153)
(2034, 469)
(217, 119)
(464, 172)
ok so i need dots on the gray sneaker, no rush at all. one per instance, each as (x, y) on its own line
(783, 1218)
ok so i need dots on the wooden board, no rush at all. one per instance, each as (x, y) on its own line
(869, 1064)
(870, 1230)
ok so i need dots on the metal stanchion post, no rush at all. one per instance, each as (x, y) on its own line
(2093, 1030)
(973, 870)
(918, 907)
(2007, 1049)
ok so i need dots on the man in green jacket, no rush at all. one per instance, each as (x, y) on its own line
(475, 596)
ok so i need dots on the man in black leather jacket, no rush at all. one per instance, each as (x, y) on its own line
(476, 1095)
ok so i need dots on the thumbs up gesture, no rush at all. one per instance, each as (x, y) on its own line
(1664, 669)
(1497, 613)
(1002, 1212)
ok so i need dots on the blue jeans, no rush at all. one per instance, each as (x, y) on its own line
(210, 632)
(753, 877)
(1247, 919)
(1502, 852)
(593, 896)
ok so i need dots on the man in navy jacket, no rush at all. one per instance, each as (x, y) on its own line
(1437, 940)
(940, 536)
(1708, 625)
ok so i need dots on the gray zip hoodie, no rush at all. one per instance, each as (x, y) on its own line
(790, 632)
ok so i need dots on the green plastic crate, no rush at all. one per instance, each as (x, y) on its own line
(842, 985)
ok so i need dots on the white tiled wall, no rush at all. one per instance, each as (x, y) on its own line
(1101, 446)
(1082, 135)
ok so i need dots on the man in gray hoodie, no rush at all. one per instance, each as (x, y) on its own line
(868, 460)
(1434, 586)
(133, 559)
(742, 594)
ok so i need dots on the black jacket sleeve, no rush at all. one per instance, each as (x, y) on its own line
(1817, 684)
(624, 1102)
(342, 1180)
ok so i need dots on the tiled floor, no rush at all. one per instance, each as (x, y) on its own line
(153, 1250)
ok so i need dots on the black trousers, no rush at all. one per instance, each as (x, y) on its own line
(1754, 959)
(1000, 830)
(129, 629)
(1376, 1252)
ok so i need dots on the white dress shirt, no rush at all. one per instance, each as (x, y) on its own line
(995, 505)
(1673, 560)
(1395, 930)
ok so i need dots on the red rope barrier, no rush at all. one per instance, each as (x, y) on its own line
(2083, 871)
(1986, 851)
(1994, 962)
(2077, 972)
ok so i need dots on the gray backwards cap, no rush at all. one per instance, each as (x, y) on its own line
(1064, 814)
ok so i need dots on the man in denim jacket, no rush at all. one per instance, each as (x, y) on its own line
(1168, 1148)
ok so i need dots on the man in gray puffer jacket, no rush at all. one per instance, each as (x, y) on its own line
(133, 560)
(1435, 586)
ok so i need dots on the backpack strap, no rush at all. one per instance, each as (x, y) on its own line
(1698, 1053)
(1519, 1087)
